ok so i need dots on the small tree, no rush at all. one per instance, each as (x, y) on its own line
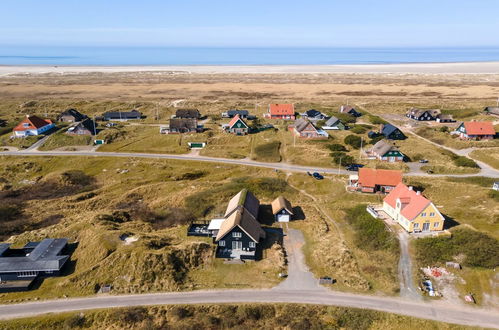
(336, 147)
(353, 140)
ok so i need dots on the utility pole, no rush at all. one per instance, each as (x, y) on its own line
(339, 166)
(95, 131)
(360, 152)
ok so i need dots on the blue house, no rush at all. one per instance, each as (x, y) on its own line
(391, 132)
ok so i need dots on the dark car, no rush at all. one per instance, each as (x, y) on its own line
(354, 167)
(423, 161)
(317, 176)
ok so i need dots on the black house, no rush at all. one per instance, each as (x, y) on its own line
(71, 116)
(122, 115)
(391, 132)
(188, 113)
(35, 259)
(423, 114)
(232, 113)
(350, 110)
(86, 127)
(239, 235)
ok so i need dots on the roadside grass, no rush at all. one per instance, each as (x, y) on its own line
(136, 138)
(225, 145)
(228, 316)
(21, 143)
(60, 139)
(488, 156)
(163, 257)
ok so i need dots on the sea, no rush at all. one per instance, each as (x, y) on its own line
(117, 56)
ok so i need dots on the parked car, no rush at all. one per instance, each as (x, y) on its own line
(429, 171)
(354, 167)
(423, 161)
(317, 176)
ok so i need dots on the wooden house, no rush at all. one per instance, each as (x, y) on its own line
(475, 130)
(122, 115)
(313, 115)
(181, 125)
(391, 132)
(385, 151)
(350, 110)
(445, 119)
(370, 180)
(32, 125)
(281, 111)
(282, 210)
(232, 113)
(85, 127)
(303, 128)
(188, 113)
(412, 211)
(238, 126)
(71, 116)
(334, 123)
(423, 114)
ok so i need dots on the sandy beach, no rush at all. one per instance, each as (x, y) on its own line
(415, 68)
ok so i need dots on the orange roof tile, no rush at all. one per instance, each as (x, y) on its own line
(234, 120)
(370, 177)
(412, 203)
(282, 109)
(479, 128)
(34, 123)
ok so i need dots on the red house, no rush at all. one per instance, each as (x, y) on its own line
(370, 180)
(476, 130)
(281, 111)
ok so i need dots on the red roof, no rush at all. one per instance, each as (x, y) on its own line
(34, 123)
(370, 177)
(234, 120)
(479, 128)
(282, 109)
(412, 203)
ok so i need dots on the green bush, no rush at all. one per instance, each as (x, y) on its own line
(353, 141)
(370, 233)
(444, 129)
(376, 139)
(336, 147)
(75, 177)
(357, 129)
(494, 194)
(376, 120)
(479, 249)
(345, 118)
(343, 158)
(465, 162)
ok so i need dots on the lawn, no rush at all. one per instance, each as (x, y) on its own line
(62, 140)
(488, 156)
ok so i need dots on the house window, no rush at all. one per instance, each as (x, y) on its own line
(416, 225)
(221, 243)
(252, 244)
(27, 274)
(25, 125)
(432, 214)
(423, 214)
(436, 224)
(237, 234)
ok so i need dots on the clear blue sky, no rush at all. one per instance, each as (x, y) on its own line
(250, 23)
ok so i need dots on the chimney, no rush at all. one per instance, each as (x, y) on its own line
(410, 188)
(418, 192)
(341, 109)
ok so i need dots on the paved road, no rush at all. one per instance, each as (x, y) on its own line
(407, 287)
(245, 162)
(433, 311)
(299, 276)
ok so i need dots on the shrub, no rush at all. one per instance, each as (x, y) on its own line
(171, 217)
(353, 140)
(9, 212)
(336, 147)
(444, 129)
(479, 249)
(268, 151)
(376, 139)
(190, 176)
(343, 158)
(370, 233)
(76, 177)
(376, 120)
(358, 129)
(74, 321)
(465, 162)
(130, 315)
(494, 194)
(345, 118)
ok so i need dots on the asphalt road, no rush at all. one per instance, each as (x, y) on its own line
(432, 311)
(245, 162)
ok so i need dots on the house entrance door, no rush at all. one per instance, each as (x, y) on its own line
(237, 245)
(426, 226)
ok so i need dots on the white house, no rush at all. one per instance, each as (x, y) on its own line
(32, 125)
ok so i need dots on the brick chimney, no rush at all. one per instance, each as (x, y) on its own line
(418, 192)
(410, 188)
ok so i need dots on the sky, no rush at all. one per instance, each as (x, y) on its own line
(253, 23)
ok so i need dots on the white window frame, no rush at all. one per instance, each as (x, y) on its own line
(423, 214)
(252, 244)
(221, 243)
(237, 234)
(416, 225)
(432, 214)
(436, 224)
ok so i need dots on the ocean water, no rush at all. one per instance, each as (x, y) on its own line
(18, 55)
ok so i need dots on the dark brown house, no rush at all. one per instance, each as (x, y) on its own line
(71, 116)
(182, 125)
(85, 127)
(188, 113)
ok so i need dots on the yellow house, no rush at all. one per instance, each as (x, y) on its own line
(412, 211)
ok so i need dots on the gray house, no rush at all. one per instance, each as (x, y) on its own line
(71, 116)
(35, 259)
(122, 115)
